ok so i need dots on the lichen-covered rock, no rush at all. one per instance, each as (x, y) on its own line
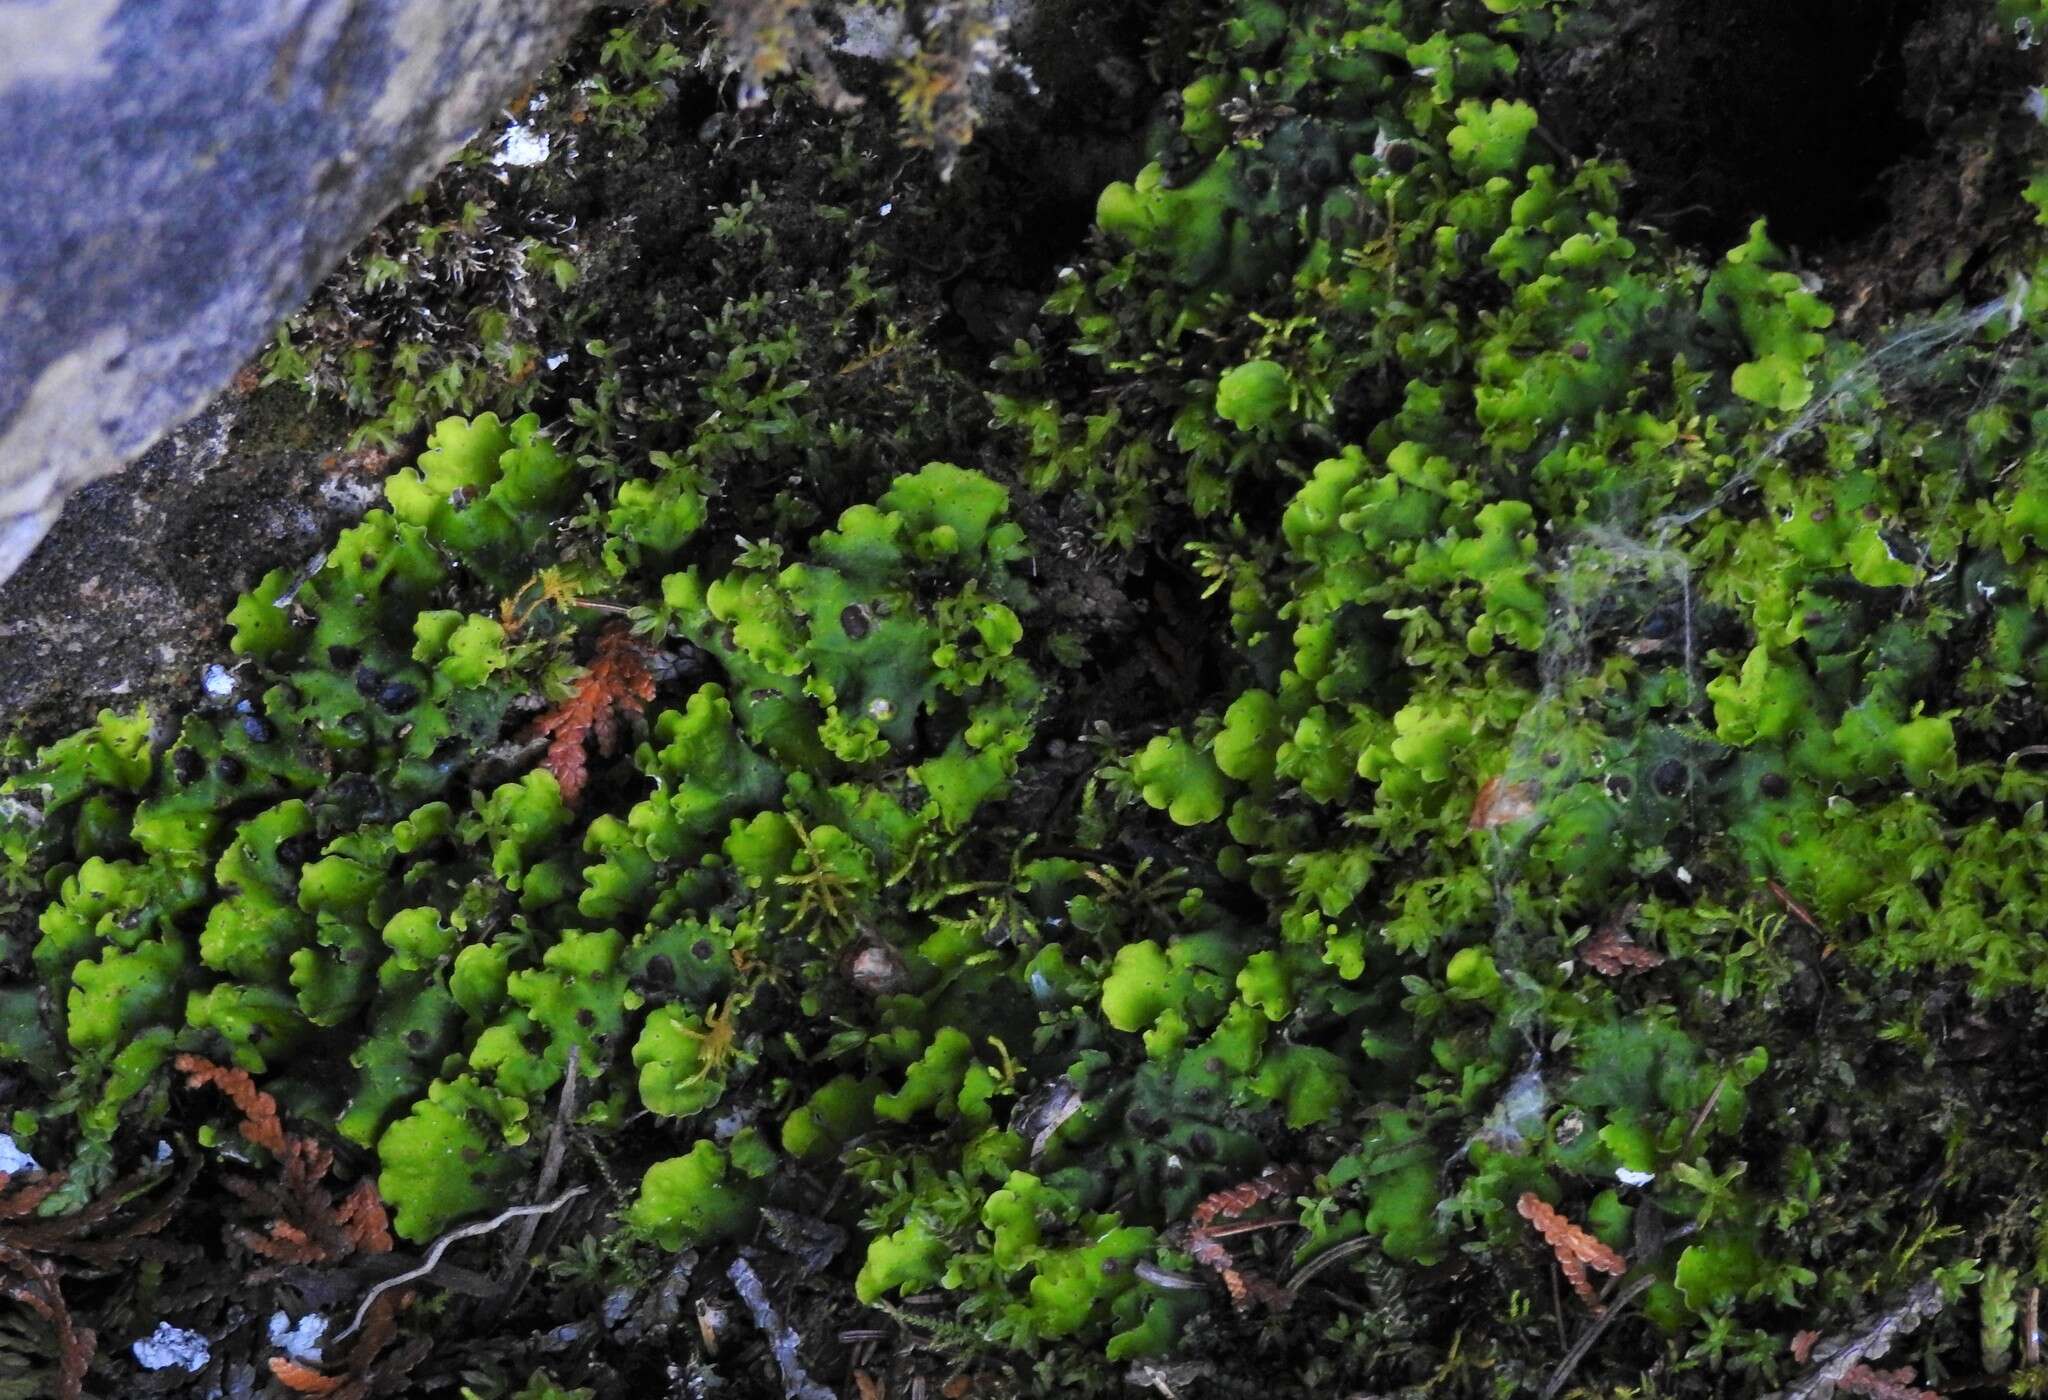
(179, 177)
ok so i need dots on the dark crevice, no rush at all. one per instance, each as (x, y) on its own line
(1788, 110)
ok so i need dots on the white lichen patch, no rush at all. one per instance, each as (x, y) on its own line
(170, 1347)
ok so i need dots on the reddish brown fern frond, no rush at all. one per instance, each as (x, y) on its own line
(1244, 1287)
(617, 683)
(307, 1226)
(1576, 1249)
(260, 1123)
(363, 1219)
(1883, 1385)
(80, 1235)
(103, 1233)
(36, 1286)
(1612, 953)
(1209, 1252)
(1234, 1201)
(19, 1201)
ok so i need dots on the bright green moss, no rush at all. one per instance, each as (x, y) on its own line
(696, 1199)
(1539, 625)
(903, 1261)
(440, 1162)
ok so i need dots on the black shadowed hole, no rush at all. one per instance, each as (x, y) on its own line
(1789, 110)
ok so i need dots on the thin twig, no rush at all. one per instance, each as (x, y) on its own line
(1557, 1303)
(1630, 1291)
(1165, 1278)
(1244, 1227)
(481, 1227)
(1699, 1119)
(550, 1170)
(1651, 1239)
(1335, 1252)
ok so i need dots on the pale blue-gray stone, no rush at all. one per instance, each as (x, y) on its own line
(179, 174)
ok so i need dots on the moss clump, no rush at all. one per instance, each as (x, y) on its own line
(1565, 595)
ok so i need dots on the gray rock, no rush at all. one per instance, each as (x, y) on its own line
(125, 601)
(180, 173)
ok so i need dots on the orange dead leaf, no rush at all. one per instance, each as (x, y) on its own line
(1501, 803)
(618, 682)
(1576, 1249)
(1802, 1345)
(303, 1380)
(869, 1387)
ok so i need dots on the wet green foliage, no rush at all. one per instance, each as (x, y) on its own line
(1556, 587)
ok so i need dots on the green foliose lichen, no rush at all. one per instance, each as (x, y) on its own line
(1600, 771)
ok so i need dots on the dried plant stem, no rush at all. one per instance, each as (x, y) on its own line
(433, 1259)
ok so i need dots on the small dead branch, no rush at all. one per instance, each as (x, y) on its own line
(1841, 1354)
(1575, 1247)
(1699, 1119)
(516, 1267)
(1342, 1250)
(1630, 1291)
(1166, 1278)
(1794, 907)
(782, 1339)
(440, 1247)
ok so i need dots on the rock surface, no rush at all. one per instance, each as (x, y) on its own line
(179, 175)
(126, 601)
